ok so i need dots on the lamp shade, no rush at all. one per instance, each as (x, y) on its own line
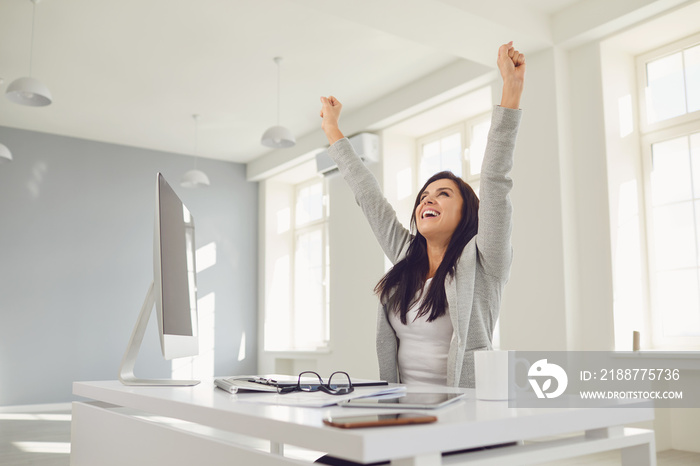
(28, 91)
(5, 154)
(278, 137)
(194, 178)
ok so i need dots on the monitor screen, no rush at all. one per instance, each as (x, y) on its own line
(175, 274)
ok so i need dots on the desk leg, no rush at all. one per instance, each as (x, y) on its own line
(605, 432)
(643, 454)
(431, 459)
(640, 455)
(276, 448)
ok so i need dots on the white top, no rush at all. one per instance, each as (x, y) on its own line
(423, 345)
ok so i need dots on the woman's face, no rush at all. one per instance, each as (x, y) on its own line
(439, 210)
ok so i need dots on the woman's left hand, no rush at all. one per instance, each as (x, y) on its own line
(511, 64)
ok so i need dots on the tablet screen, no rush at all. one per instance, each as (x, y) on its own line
(407, 400)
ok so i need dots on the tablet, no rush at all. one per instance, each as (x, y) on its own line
(406, 400)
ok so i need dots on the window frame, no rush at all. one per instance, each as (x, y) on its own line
(650, 134)
(465, 129)
(321, 225)
(641, 62)
(474, 180)
(654, 318)
(458, 128)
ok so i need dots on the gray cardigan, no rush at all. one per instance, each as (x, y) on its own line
(474, 291)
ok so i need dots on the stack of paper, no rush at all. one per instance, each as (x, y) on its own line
(269, 383)
(318, 399)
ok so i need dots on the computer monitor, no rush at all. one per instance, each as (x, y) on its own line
(173, 290)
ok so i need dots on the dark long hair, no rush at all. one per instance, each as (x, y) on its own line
(399, 287)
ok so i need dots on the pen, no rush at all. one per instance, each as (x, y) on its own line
(263, 381)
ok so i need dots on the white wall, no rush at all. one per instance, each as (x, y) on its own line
(76, 261)
(625, 193)
(533, 313)
(357, 265)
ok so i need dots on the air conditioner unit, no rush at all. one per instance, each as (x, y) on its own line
(365, 144)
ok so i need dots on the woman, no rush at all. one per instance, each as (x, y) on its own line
(440, 301)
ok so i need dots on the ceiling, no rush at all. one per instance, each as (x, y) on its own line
(134, 72)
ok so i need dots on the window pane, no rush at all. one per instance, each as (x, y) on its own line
(480, 134)
(428, 167)
(452, 161)
(695, 161)
(692, 77)
(476, 185)
(665, 88)
(697, 230)
(441, 155)
(677, 301)
(278, 317)
(453, 141)
(670, 176)
(674, 236)
(431, 150)
(309, 295)
(451, 149)
(309, 204)
(430, 161)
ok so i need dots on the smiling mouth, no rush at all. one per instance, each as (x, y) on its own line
(429, 213)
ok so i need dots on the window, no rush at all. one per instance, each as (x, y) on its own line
(670, 107)
(442, 153)
(459, 149)
(672, 85)
(297, 302)
(311, 269)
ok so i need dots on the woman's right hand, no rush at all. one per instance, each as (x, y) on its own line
(330, 112)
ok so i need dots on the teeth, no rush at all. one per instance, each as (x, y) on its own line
(430, 213)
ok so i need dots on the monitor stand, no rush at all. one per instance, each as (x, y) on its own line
(126, 369)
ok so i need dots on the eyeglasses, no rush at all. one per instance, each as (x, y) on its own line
(339, 383)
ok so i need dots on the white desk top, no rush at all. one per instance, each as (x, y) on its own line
(463, 424)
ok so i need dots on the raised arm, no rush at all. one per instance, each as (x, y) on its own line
(390, 233)
(495, 209)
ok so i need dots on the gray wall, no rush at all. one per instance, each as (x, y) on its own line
(76, 240)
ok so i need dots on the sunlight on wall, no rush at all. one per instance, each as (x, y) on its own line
(496, 340)
(241, 348)
(277, 331)
(38, 171)
(206, 257)
(34, 417)
(627, 299)
(162, 419)
(404, 183)
(202, 366)
(283, 220)
(43, 447)
(624, 108)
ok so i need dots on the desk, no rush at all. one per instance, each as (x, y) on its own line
(121, 427)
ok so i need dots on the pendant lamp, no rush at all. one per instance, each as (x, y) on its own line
(195, 178)
(5, 154)
(278, 136)
(27, 90)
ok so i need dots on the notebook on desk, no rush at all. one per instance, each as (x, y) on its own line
(270, 383)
